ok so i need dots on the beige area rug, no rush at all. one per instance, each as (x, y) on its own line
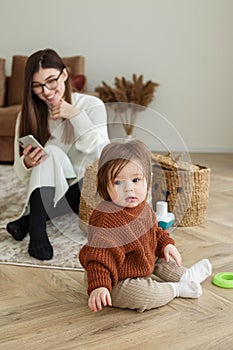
(64, 232)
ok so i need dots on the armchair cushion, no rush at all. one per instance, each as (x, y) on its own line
(75, 65)
(16, 81)
(2, 81)
(8, 116)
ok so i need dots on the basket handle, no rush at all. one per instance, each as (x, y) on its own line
(166, 194)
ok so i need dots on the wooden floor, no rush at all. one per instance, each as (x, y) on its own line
(47, 308)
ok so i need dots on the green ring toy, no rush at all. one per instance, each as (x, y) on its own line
(223, 279)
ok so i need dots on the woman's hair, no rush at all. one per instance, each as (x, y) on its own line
(35, 114)
(114, 158)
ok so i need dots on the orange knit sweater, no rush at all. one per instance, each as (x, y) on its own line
(122, 243)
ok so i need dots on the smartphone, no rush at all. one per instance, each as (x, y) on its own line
(30, 140)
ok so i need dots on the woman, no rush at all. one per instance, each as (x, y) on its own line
(72, 129)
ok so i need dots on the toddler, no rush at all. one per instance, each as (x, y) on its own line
(131, 262)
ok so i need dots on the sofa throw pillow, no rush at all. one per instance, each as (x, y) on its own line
(2, 81)
(16, 80)
(78, 82)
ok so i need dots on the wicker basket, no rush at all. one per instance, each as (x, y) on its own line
(184, 186)
(89, 198)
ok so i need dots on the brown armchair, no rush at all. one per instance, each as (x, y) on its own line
(11, 96)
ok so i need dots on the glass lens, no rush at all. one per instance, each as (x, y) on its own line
(51, 84)
(37, 89)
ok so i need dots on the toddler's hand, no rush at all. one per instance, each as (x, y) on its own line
(171, 250)
(98, 297)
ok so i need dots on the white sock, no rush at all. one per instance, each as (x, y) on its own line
(189, 289)
(198, 272)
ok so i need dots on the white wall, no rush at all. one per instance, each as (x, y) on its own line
(184, 45)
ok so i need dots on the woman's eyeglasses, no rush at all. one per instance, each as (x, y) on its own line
(51, 84)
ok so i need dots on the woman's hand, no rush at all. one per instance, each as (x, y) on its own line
(63, 110)
(98, 297)
(171, 250)
(33, 156)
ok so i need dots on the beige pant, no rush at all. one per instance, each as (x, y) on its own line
(147, 292)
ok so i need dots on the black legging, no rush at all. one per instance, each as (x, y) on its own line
(69, 203)
(41, 210)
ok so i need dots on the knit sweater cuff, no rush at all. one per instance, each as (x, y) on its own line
(98, 276)
(164, 240)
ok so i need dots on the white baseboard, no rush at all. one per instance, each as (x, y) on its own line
(215, 149)
(197, 149)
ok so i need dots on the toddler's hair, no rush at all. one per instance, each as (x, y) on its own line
(114, 158)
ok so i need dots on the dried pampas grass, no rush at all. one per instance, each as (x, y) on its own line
(135, 92)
